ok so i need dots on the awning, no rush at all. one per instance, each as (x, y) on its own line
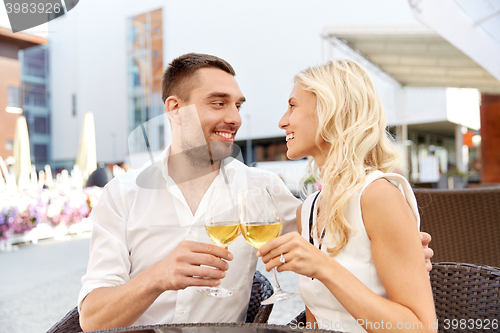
(415, 56)
(472, 26)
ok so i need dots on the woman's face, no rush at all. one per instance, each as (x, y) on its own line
(300, 123)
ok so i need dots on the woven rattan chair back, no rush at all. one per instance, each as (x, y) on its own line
(257, 313)
(468, 293)
(465, 295)
(464, 224)
(261, 290)
(69, 324)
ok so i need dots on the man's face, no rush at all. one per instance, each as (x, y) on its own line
(217, 99)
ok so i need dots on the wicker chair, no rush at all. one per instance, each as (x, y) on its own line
(461, 291)
(466, 292)
(257, 313)
(464, 224)
(261, 290)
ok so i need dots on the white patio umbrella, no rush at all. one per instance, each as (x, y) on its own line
(10, 180)
(3, 169)
(86, 158)
(3, 183)
(22, 164)
(49, 180)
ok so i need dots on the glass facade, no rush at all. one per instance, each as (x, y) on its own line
(36, 101)
(145, 69)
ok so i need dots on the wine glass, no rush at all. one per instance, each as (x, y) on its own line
(260, 222)
(222, 226)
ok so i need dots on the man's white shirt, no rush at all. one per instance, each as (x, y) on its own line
(142, 216)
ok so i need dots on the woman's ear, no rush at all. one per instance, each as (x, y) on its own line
(172, 109)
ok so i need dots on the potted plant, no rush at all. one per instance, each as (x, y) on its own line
(456, 178)
(309, 184)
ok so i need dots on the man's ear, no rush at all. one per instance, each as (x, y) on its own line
(172, 109)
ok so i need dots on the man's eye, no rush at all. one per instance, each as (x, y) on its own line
(218, 104)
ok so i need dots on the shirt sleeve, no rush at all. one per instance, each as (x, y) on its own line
(109, 263)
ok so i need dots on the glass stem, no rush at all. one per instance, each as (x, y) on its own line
(276, 282)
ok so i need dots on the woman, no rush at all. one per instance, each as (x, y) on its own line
(359, 253)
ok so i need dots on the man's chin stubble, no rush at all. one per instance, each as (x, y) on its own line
(204, 156)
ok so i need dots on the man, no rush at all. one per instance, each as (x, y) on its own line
(149, 244)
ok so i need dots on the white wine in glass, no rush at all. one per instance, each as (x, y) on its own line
(223, 233)
(260, 222)
(258, 234)
(222, 226)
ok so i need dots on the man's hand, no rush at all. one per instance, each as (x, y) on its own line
(428, 253)
(110, 307)
(186, 265)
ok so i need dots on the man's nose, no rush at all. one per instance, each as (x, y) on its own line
(233, 116)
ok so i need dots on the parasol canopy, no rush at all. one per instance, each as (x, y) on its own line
(22, 157)
(86, 158)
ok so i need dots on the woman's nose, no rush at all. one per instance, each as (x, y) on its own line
(283, 121)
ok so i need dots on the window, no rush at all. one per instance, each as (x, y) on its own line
(9, 144)
(13, 97)
(35, 61)
(32, 99)
(34, 94)
(41, 152)
(41, 125)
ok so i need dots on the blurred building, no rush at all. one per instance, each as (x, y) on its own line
(145, 69)
(35, 89)
(13, 90)
(112, 67)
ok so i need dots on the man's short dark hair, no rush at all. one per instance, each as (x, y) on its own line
(178, 78)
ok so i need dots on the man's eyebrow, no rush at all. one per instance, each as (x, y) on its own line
(223, 95)
(217, 94)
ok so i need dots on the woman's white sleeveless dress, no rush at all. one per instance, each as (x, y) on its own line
(356, 257)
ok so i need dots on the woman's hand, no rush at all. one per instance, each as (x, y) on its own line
(300, 256)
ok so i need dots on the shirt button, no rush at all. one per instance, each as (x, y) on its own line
(181, 312)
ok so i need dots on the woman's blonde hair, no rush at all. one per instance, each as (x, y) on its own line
(352, 120)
